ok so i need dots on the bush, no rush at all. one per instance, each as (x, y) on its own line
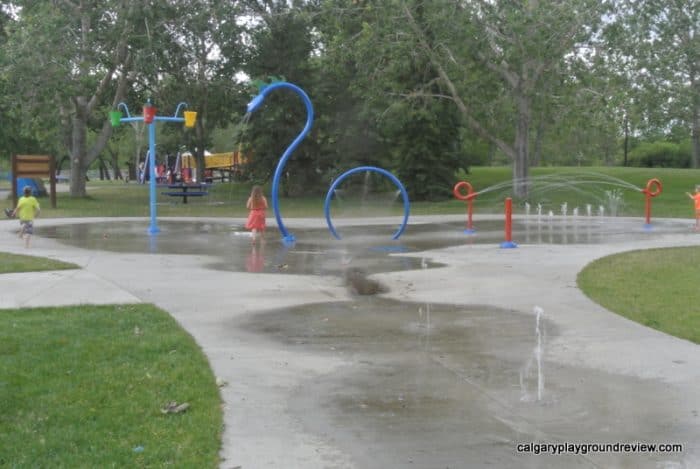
(660, 154)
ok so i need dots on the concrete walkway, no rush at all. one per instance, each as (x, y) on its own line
(300, 398)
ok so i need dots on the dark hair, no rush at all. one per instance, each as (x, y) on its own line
(27, 191)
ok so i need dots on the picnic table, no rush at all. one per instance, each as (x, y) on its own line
(187, 189)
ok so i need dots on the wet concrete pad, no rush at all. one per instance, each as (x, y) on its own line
(433, 385)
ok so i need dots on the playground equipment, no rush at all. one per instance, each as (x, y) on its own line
(652, 189)
(150, 118)
(469, 198)
(144, 172)
(508, 243)
(229, 162)
(257, 101)
(331, 191)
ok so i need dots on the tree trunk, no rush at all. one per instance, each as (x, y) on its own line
(78, 166)
(521, 146)
(81, 158)
(627, 140)
(104, 171)
(115, 167)
(199, 151)
(537, 153)
(607, 151)
(492, 152)
(59, 165)
(695, 137)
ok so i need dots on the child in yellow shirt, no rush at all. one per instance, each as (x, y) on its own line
(27, 209)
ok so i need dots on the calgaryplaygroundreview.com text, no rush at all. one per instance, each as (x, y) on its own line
(586, 448)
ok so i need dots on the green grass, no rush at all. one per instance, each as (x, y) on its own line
(655, 287)
(83, 387)
(21, 263)
(118, 199)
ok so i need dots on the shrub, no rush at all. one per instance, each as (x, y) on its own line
(660, 154)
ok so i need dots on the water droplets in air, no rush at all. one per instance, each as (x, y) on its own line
(534, 361)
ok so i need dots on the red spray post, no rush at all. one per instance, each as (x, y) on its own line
(508, 243)
(469, 198)
(652, 189)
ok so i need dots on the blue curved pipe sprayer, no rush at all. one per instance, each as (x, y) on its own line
(394, 179)
(287, 237)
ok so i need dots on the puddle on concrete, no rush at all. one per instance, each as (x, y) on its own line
(212, 238)
(430, 385)
(316, 253)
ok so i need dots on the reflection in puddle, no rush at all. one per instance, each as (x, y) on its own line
(433, 385)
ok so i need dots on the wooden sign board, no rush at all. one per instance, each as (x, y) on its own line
(34, 166)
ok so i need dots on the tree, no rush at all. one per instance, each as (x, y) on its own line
(13, 137)
(521, 45)
(69, 60)
(370, 117)
(662, 40)
(494, 60)
(205, 53)
(283, 46)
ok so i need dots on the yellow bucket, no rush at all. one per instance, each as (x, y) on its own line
(190, 118)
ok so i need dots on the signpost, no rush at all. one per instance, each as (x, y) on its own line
(34, 166)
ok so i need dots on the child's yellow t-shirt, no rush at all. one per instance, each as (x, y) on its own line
(27, 207)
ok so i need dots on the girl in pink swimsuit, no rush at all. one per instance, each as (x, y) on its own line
(257, 207)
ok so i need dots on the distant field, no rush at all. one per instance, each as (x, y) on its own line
(549, 187)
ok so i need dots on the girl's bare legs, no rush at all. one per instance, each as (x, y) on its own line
(254, 235)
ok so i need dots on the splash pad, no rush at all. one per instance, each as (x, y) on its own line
(355, 375)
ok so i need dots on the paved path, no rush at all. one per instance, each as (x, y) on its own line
(607, 378)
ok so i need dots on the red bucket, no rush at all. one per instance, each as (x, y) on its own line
(149, 113)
